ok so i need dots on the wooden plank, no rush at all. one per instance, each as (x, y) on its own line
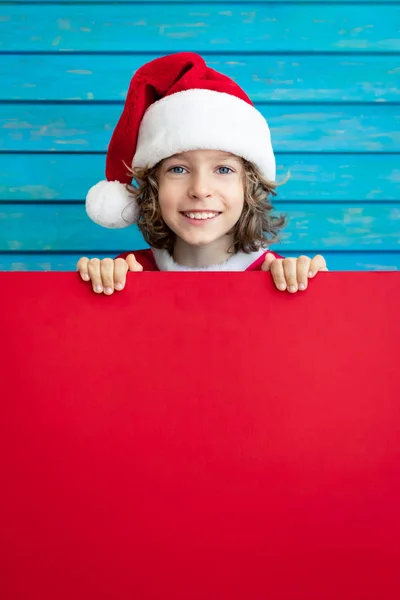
(141, 27)
(265, 78)
(205, 2)
(353, 128)
(336, 261)
(314, 226)
(313, 177)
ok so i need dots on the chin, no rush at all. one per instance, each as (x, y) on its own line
(200, 240)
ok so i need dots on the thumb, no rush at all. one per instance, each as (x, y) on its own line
(133, 264)
(269, 259)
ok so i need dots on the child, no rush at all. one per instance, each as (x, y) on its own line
(202, 156)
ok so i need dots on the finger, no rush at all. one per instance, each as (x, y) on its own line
(133, 263)
(303, 267)
(290, 270)
(82, 267)
(120, 269)
(278, 274)
(269, 259)
(107, 275)
(94, 274)
(318, 263)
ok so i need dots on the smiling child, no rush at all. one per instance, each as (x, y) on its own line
(202, 159)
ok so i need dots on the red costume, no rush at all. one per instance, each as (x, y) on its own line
(159, 260)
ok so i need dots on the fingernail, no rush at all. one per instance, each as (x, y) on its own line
(85, 277)
(282, 286)
(302, 286)
(118, 286)
(292, 288)
(108, 290)
(310, 273)
(98, 288)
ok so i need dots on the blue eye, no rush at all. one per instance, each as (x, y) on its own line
(226, 171)
(177, 170)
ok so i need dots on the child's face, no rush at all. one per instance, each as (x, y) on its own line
(201, 194)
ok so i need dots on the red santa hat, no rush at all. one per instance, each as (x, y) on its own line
(176, 104)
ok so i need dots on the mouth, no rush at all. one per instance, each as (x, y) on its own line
(197, 215)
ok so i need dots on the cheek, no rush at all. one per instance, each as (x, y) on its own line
(167, 198)
(169, 205)
(236, 200)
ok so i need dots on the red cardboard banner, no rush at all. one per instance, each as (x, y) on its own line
(200, 436)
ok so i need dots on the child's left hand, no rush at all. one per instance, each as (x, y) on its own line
(293, 273)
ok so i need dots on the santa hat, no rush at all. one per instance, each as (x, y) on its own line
(176, 104)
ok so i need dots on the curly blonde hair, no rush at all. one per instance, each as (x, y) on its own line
(249, 233)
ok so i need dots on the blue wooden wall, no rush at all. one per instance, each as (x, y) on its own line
(325, 74)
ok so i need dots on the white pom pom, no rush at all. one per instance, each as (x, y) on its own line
(109, 204)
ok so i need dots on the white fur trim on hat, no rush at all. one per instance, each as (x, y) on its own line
(237, 262)
(109, 204)
(204, 119)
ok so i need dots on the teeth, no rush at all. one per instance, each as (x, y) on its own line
(203, 215)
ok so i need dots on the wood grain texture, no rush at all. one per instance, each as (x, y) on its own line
(313, 177)
(294, 128)
(205, 2)
(289, 78)
(255, 27)
(336, 261)
(330, 226)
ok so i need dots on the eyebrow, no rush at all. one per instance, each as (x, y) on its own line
(228, 156)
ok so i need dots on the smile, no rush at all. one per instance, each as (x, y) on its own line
(201, 216)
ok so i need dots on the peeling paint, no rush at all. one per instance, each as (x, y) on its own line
(41, 192)
(395, 177)
(64, 24)
(15, 245)
(14, 124)
(80, 71)
(181, 36)
(377, 267)
(79, 142)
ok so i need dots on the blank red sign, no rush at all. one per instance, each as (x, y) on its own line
(200, 436)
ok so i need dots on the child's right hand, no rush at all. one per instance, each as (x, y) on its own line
(107, 274)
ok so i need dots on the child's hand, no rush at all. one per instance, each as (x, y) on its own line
(293, 273)
(107, 274)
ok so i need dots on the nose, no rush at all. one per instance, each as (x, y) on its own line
(200, 186)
